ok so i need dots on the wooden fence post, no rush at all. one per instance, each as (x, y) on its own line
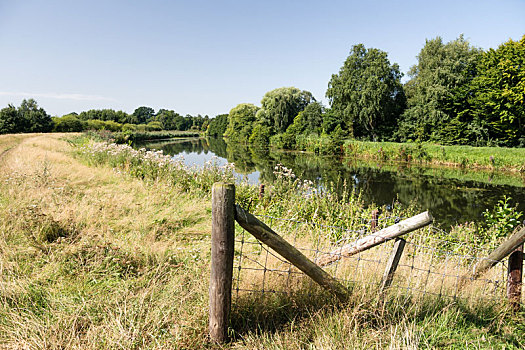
(222, 246)
(393, 261)
(514, 280)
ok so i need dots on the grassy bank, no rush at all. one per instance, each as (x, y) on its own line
(102, 246)
(508, 159)
(141, 136)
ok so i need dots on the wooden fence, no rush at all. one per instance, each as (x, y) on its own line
(225, 213)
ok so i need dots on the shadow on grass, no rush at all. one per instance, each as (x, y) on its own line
(441, 322)
(259, 313)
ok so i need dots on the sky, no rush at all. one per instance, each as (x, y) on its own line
(205, 57)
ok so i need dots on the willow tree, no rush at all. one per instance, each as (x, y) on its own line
(367, 95)
(280, 106)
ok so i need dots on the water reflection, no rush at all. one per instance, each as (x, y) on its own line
(452, 195)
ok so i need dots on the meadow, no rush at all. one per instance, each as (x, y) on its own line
(103, 246)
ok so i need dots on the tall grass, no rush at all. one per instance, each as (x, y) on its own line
(105, 247)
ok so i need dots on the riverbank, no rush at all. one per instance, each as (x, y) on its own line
(141, 136)
(497, 158)
(106, 247)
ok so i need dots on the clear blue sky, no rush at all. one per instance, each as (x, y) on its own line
(205, 57)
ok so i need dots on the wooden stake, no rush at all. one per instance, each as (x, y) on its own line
(514, 281)
(222, 246)
(393, 261)
(381, 236)
(499, 253)
(266, 235)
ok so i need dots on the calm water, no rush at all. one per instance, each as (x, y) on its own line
(452, 195)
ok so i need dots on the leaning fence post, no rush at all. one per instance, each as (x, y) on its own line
(393, 261)
(222, 246)
(514, 280)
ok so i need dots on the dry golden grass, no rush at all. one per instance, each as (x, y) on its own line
(111, 257)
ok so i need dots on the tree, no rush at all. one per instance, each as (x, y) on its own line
(218, 125)
(143, 115)
(170, 120)
(313, 117)
(68, 123)
(367, 94)
(240, 122)
(280, 106)
(35, 118)
(436, 93)
(9, 120)
(498, 100)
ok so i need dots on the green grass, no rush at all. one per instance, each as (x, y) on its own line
(111, 250)
(508, 159)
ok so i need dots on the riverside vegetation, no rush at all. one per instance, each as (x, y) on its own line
(103, 246)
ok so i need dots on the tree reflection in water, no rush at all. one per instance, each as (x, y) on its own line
(453, 195)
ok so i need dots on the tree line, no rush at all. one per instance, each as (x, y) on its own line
(29, 117)
(455, 94)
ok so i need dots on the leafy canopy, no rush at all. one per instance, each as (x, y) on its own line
(240, 122)
(436, 91)
(499, 93)
(280, 106)
(367, 95)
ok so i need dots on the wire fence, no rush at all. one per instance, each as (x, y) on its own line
(429, 265)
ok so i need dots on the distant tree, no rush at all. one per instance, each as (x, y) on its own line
(68, 123)
(240, 122)
(280, 106)
(170, 120)
(367, 94)
(9, 120)
(105, 115)
(218, 125)
(34, 118)
(437, 92)
(498, 93)
(143, 115)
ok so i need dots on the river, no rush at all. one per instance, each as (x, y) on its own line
(453, 195)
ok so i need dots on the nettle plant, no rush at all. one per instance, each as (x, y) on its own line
(500, 221)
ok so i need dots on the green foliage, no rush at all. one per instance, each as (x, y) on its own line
(498, 100)
(105, 115)
(68, 123)
(154, 126)
(437, 92)
(280, 106)
(103, 125)
(26, 118)
(143, 115)
(10, 121)
(170, 120)
(217, 126)
(500, 221)
(260, 135)
(240, 122)
(367, 94)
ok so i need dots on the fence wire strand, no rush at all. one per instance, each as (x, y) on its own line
(429, 265)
